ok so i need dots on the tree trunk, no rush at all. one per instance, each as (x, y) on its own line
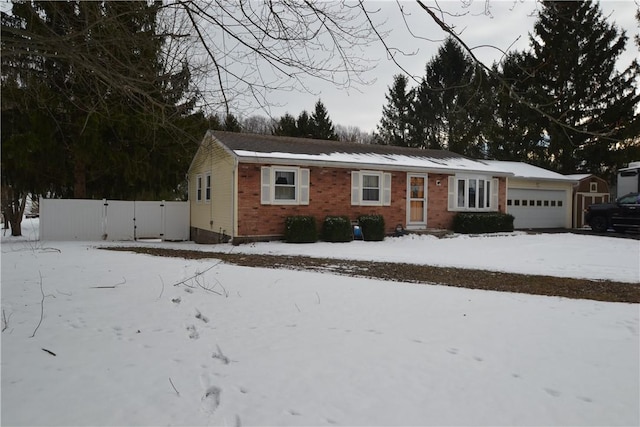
(14, 205)
(79, 180)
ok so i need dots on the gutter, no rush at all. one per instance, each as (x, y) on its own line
(360, 165)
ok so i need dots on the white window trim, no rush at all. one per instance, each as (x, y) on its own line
(384, 181)
(199, 188)
(491, 198)
(268, 185)
(207, 187)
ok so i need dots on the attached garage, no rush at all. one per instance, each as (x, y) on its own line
(537, 197)
(537, 208)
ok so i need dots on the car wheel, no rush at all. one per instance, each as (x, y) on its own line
(599, 224)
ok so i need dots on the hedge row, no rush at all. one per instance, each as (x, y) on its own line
(302, 229)
(482, 222)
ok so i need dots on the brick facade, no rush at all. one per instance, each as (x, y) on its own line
(330, 194)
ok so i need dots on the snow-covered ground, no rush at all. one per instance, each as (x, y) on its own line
(279, 347)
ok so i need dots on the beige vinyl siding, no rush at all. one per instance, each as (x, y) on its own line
(215, 215)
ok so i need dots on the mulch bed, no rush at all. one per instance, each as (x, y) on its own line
(599, 290)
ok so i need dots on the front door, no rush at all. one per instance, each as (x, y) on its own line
(416, 201)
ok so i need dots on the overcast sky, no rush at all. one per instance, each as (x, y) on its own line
(507, 27)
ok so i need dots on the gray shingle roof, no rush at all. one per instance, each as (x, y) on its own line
(285, 144)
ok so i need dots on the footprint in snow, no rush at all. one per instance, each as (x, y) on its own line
(552, 392)
(452, 350)
(193, 333)
(211, 398)
(202, 317)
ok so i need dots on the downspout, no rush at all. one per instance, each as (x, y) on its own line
(234, 198)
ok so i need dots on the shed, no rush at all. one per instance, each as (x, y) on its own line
(588, 190)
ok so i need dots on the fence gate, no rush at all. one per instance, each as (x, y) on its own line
(91, 220)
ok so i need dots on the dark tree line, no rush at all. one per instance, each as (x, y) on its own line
(94, 103)
(561, 104)
(318, 125)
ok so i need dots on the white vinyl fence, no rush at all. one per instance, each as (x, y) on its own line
(90, 220)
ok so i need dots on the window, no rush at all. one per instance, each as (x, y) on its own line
(473, 193)
(524, 203)
(284, 186)
(207, 187)
(198, 188)
(370, 188)
(593, 187)
(538, 202)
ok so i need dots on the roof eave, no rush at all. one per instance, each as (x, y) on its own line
(364, 165)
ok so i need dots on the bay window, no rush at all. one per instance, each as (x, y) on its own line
(473, 193)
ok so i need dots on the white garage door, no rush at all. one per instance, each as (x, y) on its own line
(537, 208)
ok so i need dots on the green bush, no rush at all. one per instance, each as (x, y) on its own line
(482, 222)
(337, 229)
(372, 227)
(300, 229)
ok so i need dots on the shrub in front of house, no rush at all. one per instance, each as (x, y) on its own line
(372, 227)
(337, 229)
(482, 222)
(300, 229)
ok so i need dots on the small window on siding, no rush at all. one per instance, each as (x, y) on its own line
(593, 187)
(198, 188)
(207, 187)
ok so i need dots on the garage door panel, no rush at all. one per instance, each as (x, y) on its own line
(537, 208)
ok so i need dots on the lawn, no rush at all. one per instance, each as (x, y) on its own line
(94, 337)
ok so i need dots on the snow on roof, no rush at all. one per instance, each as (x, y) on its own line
(383, 160)
(525, 170)
(267, 148)
(579, 176)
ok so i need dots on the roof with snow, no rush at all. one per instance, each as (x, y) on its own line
(278, 149)
(579, 176)
(525, 170)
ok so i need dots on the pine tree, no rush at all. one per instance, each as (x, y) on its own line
(304, 125)
(447, 105)
(394, 127)
(231, 123)
(322, 127)
(113, 109)
(587, 103)
(512, 128)
(286, 126)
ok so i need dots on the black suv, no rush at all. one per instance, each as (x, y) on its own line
(622, 215)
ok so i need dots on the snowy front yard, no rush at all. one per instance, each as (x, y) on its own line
(119, 344)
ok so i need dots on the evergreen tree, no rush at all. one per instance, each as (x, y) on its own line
(322, 127)
(394, 127)
(512, 128)
(231, 123)
(286, 126)
(115, 133)
(587, 104)
(447, 104)
(304, 125)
